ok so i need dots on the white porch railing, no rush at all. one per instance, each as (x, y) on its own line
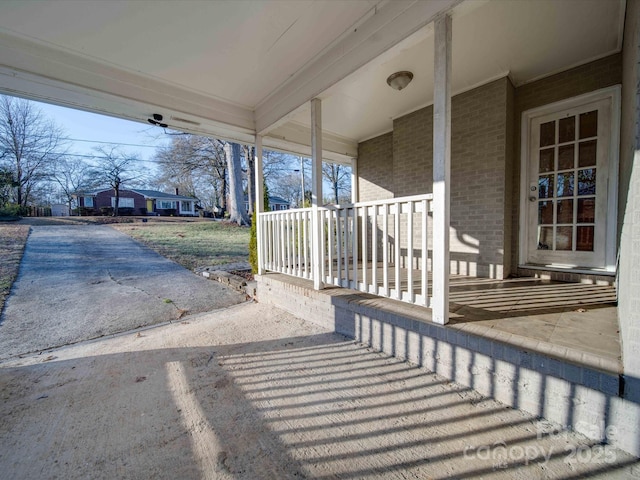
(378, 247)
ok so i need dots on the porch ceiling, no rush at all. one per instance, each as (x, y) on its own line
(229, 68)
(526, 40)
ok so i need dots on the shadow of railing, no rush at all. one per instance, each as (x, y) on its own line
(313, 406)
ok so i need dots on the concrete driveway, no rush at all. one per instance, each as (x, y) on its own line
(78, 282)
(251, 392)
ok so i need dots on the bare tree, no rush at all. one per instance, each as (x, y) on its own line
(339, 177)
(72, 174)
(196, 165)
(249, 153)
(237, 213)
(30, 145)
(115, 168)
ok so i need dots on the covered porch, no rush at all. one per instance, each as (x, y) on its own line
(471, 245)
(498, 160)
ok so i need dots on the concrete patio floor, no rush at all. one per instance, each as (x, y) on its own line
(570, 321)
(251, 392)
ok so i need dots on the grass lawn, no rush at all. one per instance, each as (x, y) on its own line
(12, 240)
(192, 243)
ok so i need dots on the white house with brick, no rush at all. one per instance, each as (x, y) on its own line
(492, 142)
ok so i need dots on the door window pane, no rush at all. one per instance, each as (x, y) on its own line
(587, 153)
(567, 130)
(589, 124)
(546, 160)
(586, 210)
(547, 134)
(565, 157)
(545, 238)
(565, 211)
(584, 239)
(564, 238)
(545, 186)
(545, 212)
(565, 184)
(587, 181)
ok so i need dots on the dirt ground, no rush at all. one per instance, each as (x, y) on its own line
(251, 392)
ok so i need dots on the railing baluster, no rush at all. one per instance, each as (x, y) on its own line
(298, 242)
(345, 245)
(385, 249)
(396, 234)
(283, 257)
(287, 250)
(374, 250)
(330, 244)
(266, 250)
(323, 254)
(425, 252)
(338, 248)
(365, 253)
(305, 232)
(410, 252)
(354, 248)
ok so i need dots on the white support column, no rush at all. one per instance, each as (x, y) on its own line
(441, 168)
(316, 190)
(354, 180)
(259, 188)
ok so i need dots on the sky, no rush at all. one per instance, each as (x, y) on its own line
(87, 130)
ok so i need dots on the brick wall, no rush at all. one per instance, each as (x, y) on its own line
(586, 78)
(103, 199)
(485, 161)
(479, 157)
(375, 172)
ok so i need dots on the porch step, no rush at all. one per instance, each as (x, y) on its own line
(579, 390)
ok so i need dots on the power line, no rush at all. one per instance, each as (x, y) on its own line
(100, 157)
(113, 143)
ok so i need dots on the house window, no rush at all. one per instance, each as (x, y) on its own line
(124, 202)
(185, 206)
(166, 204)
(88, 201)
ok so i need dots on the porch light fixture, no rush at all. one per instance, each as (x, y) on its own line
(399, 80)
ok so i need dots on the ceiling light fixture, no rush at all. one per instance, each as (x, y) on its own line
(399, 80)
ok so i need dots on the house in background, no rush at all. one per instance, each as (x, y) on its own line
(135, 202)
(490, 139)
(275, 203)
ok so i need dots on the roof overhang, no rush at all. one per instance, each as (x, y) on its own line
(112, 58)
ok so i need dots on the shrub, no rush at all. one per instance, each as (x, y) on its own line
(106, 211)
(253, 236)
(126, 211)
(253, 243)
(11, 210)
(84, 211)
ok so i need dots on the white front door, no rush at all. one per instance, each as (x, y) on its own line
(568, 194)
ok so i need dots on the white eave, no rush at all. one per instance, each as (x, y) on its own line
(234, 69)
